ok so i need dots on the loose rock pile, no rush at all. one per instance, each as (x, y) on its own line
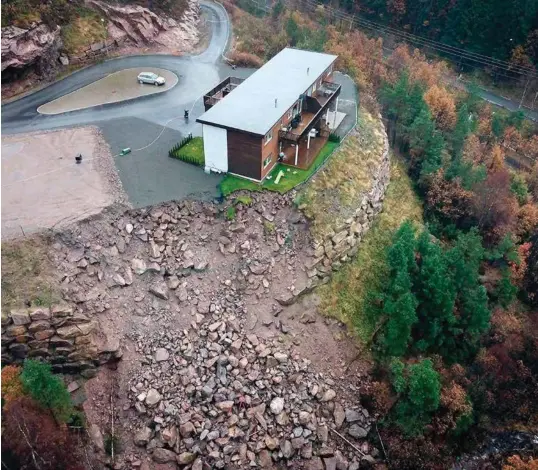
(216, 397)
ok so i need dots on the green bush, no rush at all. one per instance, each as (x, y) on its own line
(230, 213)
(47, 389)
(334, 138)
(245, 200)
(189, 150)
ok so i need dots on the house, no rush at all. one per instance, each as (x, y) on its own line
(283, 111)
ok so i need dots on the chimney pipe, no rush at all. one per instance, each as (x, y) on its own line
(276, 102)
(307, 70)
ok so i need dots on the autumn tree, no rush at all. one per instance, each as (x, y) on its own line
(31, 435)
(11, 383)
(515, 462)
(493, 205)
(442, 107)
(531, 276)
(527, 220)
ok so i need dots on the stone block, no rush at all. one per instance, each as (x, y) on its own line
(39, 325)
(15, 330)
(57, 342)
(40, 314)
(340, 236)
(43, 334)
(41, 352)
(60, 311)
(38, 344)
(20, 317)
(18, 350)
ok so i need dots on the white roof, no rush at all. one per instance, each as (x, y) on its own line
(251, 106)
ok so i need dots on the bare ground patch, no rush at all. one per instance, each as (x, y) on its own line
(43, 187)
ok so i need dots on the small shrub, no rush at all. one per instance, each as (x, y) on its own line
(47, 389)
(230, 213)
(269, 227)
(505, 290)
(245, 200)
(334, 138)
(245, 59)
(112, 443)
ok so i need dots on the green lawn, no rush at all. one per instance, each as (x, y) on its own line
(291, 178)
(192, 152)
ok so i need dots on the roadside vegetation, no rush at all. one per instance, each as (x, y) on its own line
(85, 29)
(443, 293)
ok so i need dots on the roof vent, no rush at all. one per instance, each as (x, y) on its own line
(276, 102)
(307, 70)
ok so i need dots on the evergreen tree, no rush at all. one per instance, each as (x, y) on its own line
(435, 294)
(399, 303)
(419, 398)
(46, 389)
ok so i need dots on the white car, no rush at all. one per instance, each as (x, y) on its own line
(151, 78)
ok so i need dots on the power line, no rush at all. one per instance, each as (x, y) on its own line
(451, 50)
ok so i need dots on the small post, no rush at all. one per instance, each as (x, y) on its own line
(296, 153)
(524, 93)
(186, 114)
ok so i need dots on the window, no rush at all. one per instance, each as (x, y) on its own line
(290, 113)
(314, 88)
(268, 160)
(268, 137)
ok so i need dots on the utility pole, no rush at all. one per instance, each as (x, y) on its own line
(524, 92)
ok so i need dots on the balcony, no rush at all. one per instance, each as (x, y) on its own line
(313, 109)
(220, 91)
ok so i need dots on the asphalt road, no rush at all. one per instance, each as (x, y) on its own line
(148, 175)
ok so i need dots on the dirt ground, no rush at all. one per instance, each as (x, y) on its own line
(43, 187)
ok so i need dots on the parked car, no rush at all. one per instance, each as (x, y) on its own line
(151, 78)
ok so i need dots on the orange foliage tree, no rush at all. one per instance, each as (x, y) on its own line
(517, 463)
(527, 220)
(11, 383)
(518, 270)
(474, 151)
(496, 159)
(442, 106)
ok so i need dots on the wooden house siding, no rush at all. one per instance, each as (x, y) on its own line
(244, 153)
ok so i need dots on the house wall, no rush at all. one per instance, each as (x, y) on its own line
(215, 148)
(244, 154)
(271, 149)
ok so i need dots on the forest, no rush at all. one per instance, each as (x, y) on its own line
(450, 315)
(500, 29)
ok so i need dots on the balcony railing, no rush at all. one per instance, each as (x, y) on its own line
(329, 92)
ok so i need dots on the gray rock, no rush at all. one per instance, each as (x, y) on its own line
(138, 266)
(257, 268)
(153, 397)
(277, 405)
(358, 432)
(186, 429)
(20, 317)
(143, 436)
(339, 415)
(185, 458)
(97, 437)
(159, 291)
(329, 395)
(286, 449)
(161, 455)
(281, 357)
(161, 355)
(264, 458)
(352, 415)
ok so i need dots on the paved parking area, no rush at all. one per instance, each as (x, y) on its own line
(116, 87)
(150, 176)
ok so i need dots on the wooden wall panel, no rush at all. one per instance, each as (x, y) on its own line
(244, 154)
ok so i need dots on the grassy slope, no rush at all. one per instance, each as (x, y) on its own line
(85, 29)
(332, 196)
(27, 274)
(344, 297)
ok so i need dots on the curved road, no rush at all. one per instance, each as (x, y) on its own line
(197, 74)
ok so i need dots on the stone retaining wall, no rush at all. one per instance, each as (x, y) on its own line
(342, 242)
(56, 335)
